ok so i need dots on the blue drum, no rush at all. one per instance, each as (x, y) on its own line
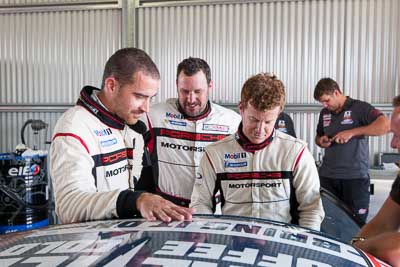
(23, 192)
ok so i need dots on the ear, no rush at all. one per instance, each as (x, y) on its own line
(240, 108)
(336, 93)
(110, 84)
(210, 86)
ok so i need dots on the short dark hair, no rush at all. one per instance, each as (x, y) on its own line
(190, 66)
(325, 86)
(396, 101)
(263, 91)
(124, 63)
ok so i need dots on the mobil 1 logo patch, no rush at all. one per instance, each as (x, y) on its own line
(235, 160)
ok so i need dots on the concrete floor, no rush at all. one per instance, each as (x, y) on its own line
(382, 180)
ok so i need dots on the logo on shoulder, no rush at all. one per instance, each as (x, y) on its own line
(103, 132)
(215, 128)
(109, 142)
(347, 118)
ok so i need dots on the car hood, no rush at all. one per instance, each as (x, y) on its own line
(204, 241)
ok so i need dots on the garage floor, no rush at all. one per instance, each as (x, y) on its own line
(382, 181)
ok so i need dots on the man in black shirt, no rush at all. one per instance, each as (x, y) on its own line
(284, 123)
(343, 129)
(381, 236)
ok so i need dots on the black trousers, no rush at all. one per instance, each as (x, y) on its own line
(353, 192)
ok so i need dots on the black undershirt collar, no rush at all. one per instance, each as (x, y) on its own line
(247, 145)
(85, 100)
(204, 114)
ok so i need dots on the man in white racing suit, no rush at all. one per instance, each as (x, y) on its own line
(96, 151)
(259, 171)
(180, 129)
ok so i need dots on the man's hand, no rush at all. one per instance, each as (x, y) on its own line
(384, 246)
(153, 207)
(343, 137)
(324, 141)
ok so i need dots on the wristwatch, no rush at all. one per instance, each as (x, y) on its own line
(356, 239)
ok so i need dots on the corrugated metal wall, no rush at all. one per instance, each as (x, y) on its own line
(45, 59)
(23, 3)
(372, 49)
(300, 41)
(48, 56)
(356, 42)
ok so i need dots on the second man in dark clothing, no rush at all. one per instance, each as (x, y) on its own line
(343, 129)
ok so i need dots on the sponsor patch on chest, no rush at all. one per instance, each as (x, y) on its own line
(255, 184)
(234, 160)
(347, 119)
(102, 132)
(230, 164)
(175, 119)
(175, 123)
(235, 155)
(326, 120)
(109, 142)
(170, 115)
(215, 128)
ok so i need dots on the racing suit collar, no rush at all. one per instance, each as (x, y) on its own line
(204, 114)
(248, 146)
(85, 100)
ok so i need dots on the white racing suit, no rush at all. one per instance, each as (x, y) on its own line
(275, 180)
(95, 158)
(177, 144)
